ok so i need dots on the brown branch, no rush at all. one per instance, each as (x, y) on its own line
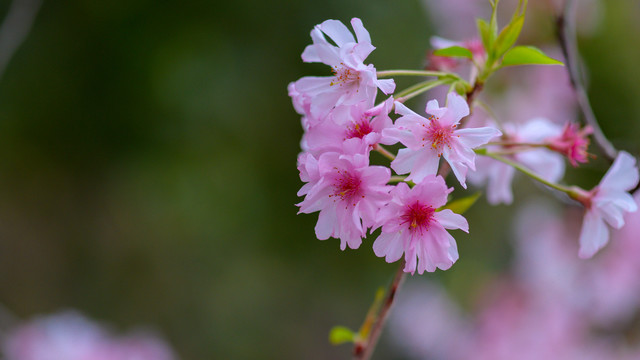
(363, 351)
(567, 39)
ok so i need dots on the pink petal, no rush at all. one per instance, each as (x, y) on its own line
(474, 137)
(310, 53)
(450, 220)
(426, 163)
(593, 236)
(389, 245)
(623, 174)
(433, 250)
(499, 187)
(433, 109)
(459, 168)
(387, 86)
(457, 107)
(613, 214)
(404, 161)
(337, 31)
(361, 33)
(325, 227)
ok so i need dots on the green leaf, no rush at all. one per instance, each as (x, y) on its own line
(340, 335)
(527, 55)
(509, 35)
(459, 206)
(454, 51)
(483, 30)
(493, 22)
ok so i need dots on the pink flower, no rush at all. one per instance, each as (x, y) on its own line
(347, 192)
(353, 81)
(346, 123)
(498, 176)
(411, 225)
(429, 139)
(607, 203)
(572, 143)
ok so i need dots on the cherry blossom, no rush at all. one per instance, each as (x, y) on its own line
(607, 203)
(346, 123)
(545, 163)
(427, 139)
(411, 225)
(572, 143)
(352, 80)
(346, 190)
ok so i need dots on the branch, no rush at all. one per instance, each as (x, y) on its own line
(15, 28)
(364, 351)
(567, 38)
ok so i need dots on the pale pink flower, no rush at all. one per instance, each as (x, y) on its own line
(518, 323)
(426, 322)
(411, 225)
(350, 122)
(353, 81)
(347, 192)
(499, 176)
(572, 143)
(429, 139)
(614, 282)
(607, 203)
(70, 336)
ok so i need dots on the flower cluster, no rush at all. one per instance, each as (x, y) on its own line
(407, 200)
(343, 126)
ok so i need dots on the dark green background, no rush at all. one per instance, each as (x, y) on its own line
(147, 170)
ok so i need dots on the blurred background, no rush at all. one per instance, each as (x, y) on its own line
(148, 167)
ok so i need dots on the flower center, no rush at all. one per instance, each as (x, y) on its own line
(438, 135)
(344, 75)
(346, 187)
(360, 129)
(418, 216)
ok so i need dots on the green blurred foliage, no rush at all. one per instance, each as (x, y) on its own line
(147, 171)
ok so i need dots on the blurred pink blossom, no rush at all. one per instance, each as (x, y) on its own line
(607, 204)
(70, 336)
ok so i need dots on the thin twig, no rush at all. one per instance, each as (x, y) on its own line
(15, 28)
(567, 38)
(364, 351)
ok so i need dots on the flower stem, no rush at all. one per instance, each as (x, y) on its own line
(418, 89)
(397, 179)
(363, 351)
(389, 73)
(384, 152)
(514, 144)
(526, 171)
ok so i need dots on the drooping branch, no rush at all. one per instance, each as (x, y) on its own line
(565, 22)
